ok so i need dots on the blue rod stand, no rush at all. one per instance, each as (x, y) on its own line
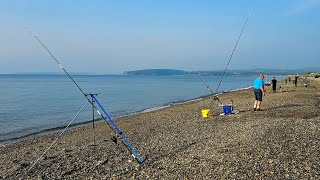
(93, 125)
(135, 154)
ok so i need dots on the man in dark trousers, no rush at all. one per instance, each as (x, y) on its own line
(296, 80)
(259, 90)
(274, 84)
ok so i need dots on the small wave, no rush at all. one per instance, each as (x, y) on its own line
(154, 108)
(240, 89)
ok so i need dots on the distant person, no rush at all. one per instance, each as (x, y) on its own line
(286, 81)
(258, 88)
(274, 84)
(296, 80)
(282, 89)
(289, 79)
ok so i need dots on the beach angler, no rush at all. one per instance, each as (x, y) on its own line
(296, 80)
(259, 90)
(274, 84)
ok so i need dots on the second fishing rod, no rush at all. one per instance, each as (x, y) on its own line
(215, 97)
(231, 55)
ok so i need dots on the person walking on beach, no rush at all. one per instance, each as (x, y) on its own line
(258, 88)
(296, 80)
(274, 84)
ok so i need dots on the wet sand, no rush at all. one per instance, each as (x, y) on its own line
(282, 141)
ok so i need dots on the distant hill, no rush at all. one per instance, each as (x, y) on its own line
(220, 72)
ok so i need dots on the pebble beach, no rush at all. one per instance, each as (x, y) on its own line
(280, 142)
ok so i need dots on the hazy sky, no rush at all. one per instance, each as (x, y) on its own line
(118, 35)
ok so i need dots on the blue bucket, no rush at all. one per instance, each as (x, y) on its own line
(227, 109)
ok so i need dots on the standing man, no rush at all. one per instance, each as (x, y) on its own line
(274, 84)
(258, 88)
(296, 80)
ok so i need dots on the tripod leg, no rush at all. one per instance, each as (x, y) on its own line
(94, 137)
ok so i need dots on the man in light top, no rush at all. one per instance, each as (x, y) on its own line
(258, 88)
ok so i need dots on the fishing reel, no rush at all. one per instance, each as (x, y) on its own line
(115, 139)
(216, 98)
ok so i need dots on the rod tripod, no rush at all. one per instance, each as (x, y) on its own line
(93, 125)
(105, 116)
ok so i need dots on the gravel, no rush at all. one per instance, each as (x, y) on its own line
(280, 142)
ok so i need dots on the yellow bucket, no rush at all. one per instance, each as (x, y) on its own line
(205, 113)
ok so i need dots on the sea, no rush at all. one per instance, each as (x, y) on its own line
(33, 104)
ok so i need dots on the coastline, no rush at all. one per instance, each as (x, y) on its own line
(99, 120)
(279, 142)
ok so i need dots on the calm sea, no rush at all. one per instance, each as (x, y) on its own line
(35, 103)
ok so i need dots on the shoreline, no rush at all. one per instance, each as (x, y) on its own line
(279, 142)
(100, 120)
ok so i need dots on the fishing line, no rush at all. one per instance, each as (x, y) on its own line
(57, 137)
(115, 129)
(205, 84)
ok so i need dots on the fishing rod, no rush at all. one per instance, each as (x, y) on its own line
(114, 126)
(205, 84)
(224, 72)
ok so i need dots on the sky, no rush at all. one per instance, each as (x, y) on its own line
(114, 36)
